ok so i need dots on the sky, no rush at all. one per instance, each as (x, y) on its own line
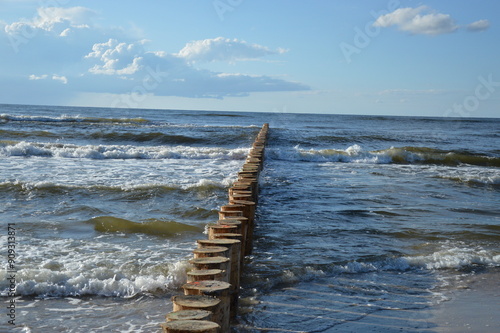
(390, 57)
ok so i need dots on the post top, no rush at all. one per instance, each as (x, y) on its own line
(216, 242)
(190, 325)
(196, 301)
(188, 315)
(207, 285)
(208, 260)
(234, 218)
(213, 249)
(205, 272)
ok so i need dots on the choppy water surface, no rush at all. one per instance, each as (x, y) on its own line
(364, 222)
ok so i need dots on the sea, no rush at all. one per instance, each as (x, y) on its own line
(364, 223)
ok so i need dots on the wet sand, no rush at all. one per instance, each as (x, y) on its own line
(476, 308)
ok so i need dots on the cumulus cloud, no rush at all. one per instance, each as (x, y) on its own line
(170, 75)
(418, 20)
(53, 38)
(90, 58)
(477, 26)
(224, 49)
(116, 57)
(53, 19)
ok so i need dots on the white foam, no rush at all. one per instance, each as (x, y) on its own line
(62, 118)
(24, 148)
(471, 174)
(356, 154)
(389, 264)
(68, 118)
(352, 154)
(301, 274)
(447, 257)
(456, 257)
(95, 267)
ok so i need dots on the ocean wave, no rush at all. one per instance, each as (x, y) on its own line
(28, 134)
(403, 155)
(456, 256)
(156, 137)
(147, 137)
(149, 227)
(425, 235)
(87, 268)
(45, 187)
(70, 119)
(28, 149)
(448, 256)
(47, 282)
(474, 177)
(214, 138)
(203, 114)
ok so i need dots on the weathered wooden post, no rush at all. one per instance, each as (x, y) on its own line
(225, 214)
(221, 263)
(195, 302)
(189, 315)
(237, 195)
(210, 301)
(234, 279)
(215, 251)
(242, 228)
(206, 274)
(223, 228)
(218, 289)
(201, 303)
(234, 247)
(249, 208)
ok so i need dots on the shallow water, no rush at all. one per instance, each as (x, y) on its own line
(366, 223)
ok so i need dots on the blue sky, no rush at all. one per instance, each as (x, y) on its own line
(393, 57)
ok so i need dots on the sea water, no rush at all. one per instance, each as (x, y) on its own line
(364, 222)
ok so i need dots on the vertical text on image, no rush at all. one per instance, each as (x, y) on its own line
(11, 272)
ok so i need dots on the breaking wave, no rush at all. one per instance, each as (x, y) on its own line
(403, 155)
(71, 119)
(49, 187)
(94, 268)
(150, 227)
(28, 149)
(457, 256)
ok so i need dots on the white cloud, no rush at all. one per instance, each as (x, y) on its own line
(172, 75)
(418, 21)
(54, 77)
(53, 19)
(224, 49)
(49, 17)
(477, 26)
(117, 57)
(64, 40)
(60, 78)
(52, 39)
(35, 77)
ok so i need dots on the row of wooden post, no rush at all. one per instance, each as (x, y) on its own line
(210, 299)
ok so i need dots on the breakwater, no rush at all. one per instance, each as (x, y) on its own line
(210, 299)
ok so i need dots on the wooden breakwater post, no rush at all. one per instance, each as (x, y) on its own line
(211, 294)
